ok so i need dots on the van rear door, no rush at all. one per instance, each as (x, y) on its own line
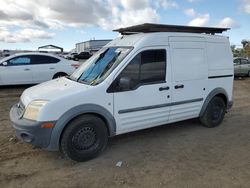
(190, 74)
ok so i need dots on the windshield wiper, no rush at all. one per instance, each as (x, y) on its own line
(70, 78)
(83, 82)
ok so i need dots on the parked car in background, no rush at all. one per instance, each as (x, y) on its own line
(32, 68)
(241, 67)
(70, 56)
(64, 55)
(82, 55)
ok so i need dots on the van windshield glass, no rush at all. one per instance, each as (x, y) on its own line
(100, 65)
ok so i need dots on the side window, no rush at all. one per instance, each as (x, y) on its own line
(147, 67)
(42, 59)
(244, 61)
(132, 72)
(22, 60)
(237, 61)
(153, 66)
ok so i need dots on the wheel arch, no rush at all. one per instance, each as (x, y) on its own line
(75, 112)
(88, 113)
(59, 73)
(215, 92)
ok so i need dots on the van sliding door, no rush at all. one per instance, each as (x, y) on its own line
(190, 73)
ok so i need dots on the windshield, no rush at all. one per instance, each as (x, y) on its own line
(99, 66)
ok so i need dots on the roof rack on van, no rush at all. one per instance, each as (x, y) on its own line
(149, 27)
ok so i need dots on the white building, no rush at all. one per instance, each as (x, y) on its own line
(91, 45)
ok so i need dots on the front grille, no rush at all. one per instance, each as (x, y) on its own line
(20, 109)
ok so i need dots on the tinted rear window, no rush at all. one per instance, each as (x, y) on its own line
(42, 59)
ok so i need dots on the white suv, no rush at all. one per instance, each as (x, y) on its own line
(32, 68)
(135, 82)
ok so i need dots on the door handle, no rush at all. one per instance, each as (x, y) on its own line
(51, 68)
(26, 69)
(163, 88)
(179, 86)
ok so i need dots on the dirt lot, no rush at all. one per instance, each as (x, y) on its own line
(180, 155)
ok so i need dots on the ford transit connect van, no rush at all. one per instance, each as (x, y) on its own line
(152, 75)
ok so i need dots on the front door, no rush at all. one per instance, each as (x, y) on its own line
(17, 71)
(145, 103)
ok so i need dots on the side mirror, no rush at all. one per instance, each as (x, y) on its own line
(4, 63)
(125, 83)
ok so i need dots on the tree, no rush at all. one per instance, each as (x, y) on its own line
(237, 52)
(245, 43)
(246, 47)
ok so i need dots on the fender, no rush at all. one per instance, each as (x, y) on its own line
(74, 112)
(213, 93)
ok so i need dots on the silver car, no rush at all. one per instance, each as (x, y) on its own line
(241, 67)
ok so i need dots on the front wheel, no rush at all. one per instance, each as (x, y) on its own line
(214, 113)
(84, 138)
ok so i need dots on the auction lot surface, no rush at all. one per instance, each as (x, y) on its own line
(183, 154)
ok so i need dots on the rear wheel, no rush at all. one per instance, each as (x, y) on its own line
(248, 74)
(214, 113)
(84, 138)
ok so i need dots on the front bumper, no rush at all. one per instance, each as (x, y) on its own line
(30, 131)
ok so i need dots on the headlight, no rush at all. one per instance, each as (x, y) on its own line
(33, 109)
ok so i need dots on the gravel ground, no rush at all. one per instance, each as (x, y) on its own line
(183, 154)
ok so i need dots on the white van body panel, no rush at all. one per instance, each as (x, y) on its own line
(63, 95)
(220, 65)
(199, 62)
(189, 65)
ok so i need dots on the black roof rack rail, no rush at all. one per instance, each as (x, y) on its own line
(149, 28)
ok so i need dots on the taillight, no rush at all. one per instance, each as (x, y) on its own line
(75, 65)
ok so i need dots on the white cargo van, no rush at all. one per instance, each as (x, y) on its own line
(151, 75)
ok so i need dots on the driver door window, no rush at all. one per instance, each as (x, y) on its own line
(147, 67)
(23, 60)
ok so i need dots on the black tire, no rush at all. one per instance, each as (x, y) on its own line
(214, 113)
(248, 74)
(84, 138)
(58, 75)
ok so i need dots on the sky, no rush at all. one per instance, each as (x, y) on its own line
(28, 24)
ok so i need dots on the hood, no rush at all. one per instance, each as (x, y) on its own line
(52, 90)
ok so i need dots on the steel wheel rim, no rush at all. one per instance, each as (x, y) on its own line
(85, 139)
(217, 113)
